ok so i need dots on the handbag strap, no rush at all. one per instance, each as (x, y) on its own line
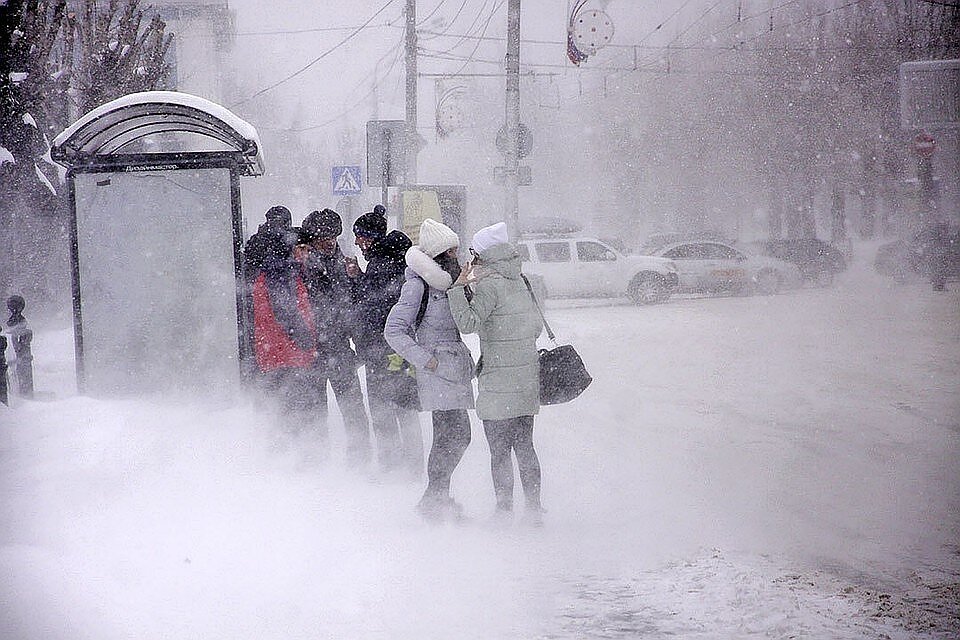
(536, 303)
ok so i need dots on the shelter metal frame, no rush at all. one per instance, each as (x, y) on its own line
(97, 147)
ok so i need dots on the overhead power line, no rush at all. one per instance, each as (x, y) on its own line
(469, 33)
(807, 19)
(486, 25)
(660, 26)
(318, 58)
(288, 32)
(397, 50)
(452, 21)
(760, 14)
(432, 13)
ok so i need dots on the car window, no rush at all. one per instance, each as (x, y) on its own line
(721, 252)
(553, 251)
(524, 252)
(685, 252)
(594, 252)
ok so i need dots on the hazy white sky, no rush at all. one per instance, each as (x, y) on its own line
(343, 79)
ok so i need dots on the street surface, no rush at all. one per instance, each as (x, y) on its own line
(775, 467)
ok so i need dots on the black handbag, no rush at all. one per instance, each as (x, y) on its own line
(563, 376)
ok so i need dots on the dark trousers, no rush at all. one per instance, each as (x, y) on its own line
(513, 435)
(302, 398)
(346, 388)
(396, 428)
(451, 436)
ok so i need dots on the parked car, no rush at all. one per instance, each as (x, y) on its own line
(583, 266)
(711, 266)
(656, 241)
(818, 261)
(905, 260)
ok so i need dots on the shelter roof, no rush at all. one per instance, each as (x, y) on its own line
(158, 124)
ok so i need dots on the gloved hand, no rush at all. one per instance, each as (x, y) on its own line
(394, 362)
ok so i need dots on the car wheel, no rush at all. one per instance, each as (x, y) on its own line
(767, 282)
(648, 289)
(823, 278)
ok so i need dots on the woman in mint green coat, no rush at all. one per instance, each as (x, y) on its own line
(502, 312)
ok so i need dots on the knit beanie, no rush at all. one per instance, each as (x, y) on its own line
(436, 237)
(322, 224)
(279, 214)
(372, 224)
(490, 237)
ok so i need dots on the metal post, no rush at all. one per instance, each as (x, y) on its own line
(75, 282)
(413, 146)
(385, 169)
(21, 335)
(512, 120)
(928, 199)
(244, 303)
(4, 395)
(23, 367)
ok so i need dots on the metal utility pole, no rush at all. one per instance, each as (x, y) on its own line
(413, 138)
(512, 121)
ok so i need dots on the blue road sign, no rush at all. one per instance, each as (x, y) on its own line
(346, 180)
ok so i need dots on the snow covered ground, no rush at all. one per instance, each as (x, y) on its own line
(783, 467)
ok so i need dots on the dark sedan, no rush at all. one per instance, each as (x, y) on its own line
(818, 261)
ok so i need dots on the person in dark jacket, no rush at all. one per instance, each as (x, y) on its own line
(323, 268)
(391, 389)
(421, 329)
(284, 329)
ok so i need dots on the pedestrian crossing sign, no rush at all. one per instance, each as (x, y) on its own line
(346, 180)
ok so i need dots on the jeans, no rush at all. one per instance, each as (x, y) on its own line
(451, 436)
(513, 435)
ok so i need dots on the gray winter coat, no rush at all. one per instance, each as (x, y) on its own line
(502, 312)
(450, 386)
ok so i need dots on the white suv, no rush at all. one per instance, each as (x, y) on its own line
(581, 266)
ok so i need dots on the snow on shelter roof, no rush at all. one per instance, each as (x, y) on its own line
(110, 130)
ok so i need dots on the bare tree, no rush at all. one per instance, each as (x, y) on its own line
(56, 63)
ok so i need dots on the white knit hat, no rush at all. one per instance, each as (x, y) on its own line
(490, 237)
(436, 237)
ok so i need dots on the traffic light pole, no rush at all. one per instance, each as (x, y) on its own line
(512, 121)
(413, 138)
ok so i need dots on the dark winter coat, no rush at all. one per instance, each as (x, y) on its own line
(284, 334)
(331, 294)
(450, 385)
(377, 290)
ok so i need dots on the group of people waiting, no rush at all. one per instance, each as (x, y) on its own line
(318, 317)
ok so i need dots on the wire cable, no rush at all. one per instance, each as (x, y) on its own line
(317, 59)
(362, 98)
(668, 18)
(483, 33)
(432, 13)
(449, 25)
(807, 19)
(469, 32)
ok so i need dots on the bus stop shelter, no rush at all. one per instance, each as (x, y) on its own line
(156, 243)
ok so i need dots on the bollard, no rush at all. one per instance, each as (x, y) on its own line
(4, 398)
(21, 335)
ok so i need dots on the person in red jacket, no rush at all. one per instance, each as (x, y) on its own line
(284, 328)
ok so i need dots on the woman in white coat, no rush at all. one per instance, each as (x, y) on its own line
(421, 329)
